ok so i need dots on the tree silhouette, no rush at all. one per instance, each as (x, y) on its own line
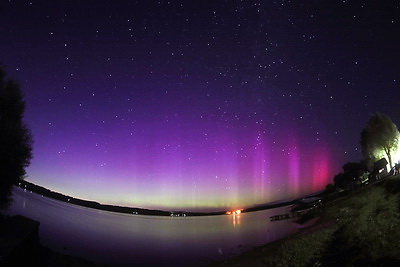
(350, 175)
(379, 135)
(15, 138)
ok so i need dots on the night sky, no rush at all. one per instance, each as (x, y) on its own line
(199, 104)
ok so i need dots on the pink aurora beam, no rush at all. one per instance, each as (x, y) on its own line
(294, 168)
(320, 169)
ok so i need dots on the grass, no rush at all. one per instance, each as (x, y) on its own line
(361, 229)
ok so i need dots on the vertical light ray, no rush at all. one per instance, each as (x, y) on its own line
(320, 173)
(264, 173)
(294, 168)
(227, 163)
(259, 168)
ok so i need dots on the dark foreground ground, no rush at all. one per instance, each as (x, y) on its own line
(361, 228)
(20, 246)
(355, 229)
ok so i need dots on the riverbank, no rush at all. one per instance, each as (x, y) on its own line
(360, 229)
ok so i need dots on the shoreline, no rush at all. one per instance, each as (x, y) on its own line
(141, 211)
(331, 241)
(312, 238)
(257, 256)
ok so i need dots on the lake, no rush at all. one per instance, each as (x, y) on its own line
(121, 239)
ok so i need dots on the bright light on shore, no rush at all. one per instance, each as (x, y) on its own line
(233, 212)
(395, 154)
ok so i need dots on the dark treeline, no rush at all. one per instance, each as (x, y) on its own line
(140, 211)
(15, 138)
(95, 205)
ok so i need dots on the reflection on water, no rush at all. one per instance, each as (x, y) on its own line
(113, 238)
(235, 219)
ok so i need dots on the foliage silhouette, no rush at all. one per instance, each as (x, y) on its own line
(350, 175)
(15, 138)
(380, 134)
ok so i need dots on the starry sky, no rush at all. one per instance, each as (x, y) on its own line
(199, 104)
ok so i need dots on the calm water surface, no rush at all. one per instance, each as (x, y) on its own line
(122, 239)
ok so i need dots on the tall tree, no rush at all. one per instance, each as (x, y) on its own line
(379, 135)
(15, 138)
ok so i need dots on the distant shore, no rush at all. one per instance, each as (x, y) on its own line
(137, 211)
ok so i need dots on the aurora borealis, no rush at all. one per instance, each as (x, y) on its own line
(199, 104)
